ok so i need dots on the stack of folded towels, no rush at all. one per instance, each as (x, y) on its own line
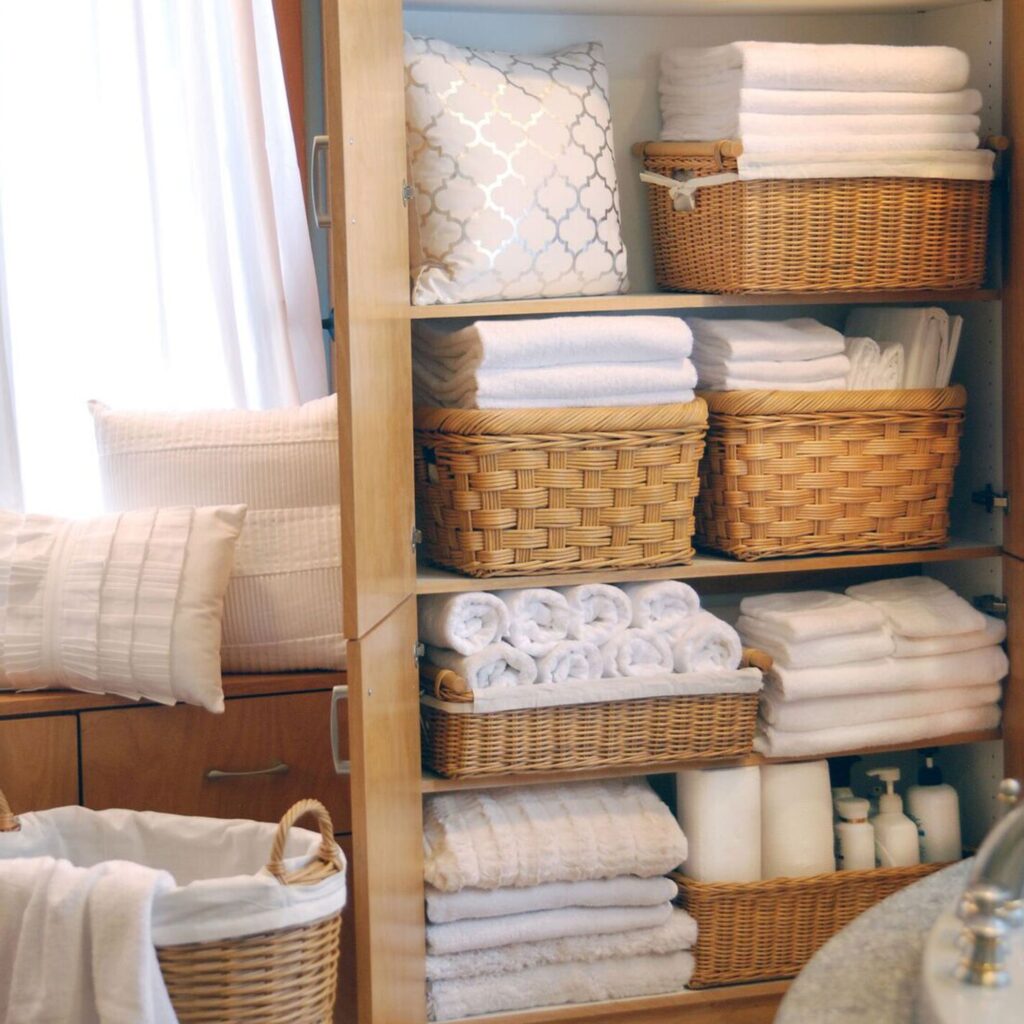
(889, 662)
(813, 111)
(550, 895)
(914, 348)
(556, 362)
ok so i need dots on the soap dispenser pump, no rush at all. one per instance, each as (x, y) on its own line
(896, 839)
(935, 808)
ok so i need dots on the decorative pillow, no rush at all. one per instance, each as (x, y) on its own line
(512, 161)
(282, 611)
(127, 604)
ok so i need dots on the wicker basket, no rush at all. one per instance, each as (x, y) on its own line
(524, 491)
(799, 473)
(755, 931)
(812, 235)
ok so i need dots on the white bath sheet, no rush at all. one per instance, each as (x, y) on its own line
(664, 605)
(465, 623)
(812, 614)
(828, 650)
(815, 101)
(538, 619)
(713, 369)
(570, 661)
(759, 146)
(732, 383)
(993, 633)
(857, 124)
(775, 340)
(801, 163)
(495, 665)
(637, 652)
(920, 606)
(597, 612)
(707, 645)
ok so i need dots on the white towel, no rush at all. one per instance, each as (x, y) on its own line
(537, 619)
(920, 606)
(731, 383)
(777, 340)
(679, 932)
(497, 664)
(801, 163)
(871, 367)
(637, 652)
(465, 623)
(923, 333)
(857, 124)
(558, 984)
(707, 644)
(570, 661)
(624, 891)
(517, 837)
(993, 633)
(759, 146)
(812, 614)
(828, 650)
(812, 101)
(713, 369)
(664, 605)
(597, 612)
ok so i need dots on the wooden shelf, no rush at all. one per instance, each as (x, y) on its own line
(703, 7)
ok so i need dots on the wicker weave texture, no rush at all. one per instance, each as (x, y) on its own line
(530, 491)
(810, 235)
(787, 473)
(755, 931)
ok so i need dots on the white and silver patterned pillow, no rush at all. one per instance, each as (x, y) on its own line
(512, 161)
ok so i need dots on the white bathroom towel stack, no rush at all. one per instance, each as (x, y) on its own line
(874, 367)
(917, 347)
(550, 895)
(556, 362)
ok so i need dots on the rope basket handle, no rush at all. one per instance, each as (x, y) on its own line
(8, 822)
(329, 859)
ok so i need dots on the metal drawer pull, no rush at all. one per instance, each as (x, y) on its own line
(341, 767)
(319, 196)
(277, 769)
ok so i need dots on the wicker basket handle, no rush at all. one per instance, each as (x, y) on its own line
(8, 822)
(329, 859)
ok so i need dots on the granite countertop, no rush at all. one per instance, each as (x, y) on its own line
(868, 973)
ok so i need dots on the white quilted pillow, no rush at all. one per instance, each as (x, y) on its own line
(127, 604)
(282, 611)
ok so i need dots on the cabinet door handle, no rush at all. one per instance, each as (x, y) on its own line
(319, 196)
(275, 769)
(339, 693)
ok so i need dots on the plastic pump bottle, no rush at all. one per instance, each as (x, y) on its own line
(935, 808)
(854, 835)
(839, 778)
(896, 840)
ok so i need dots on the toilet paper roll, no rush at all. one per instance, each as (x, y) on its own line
(796, 820)
(719, 810)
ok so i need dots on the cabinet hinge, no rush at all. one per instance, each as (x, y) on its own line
(418, 650)
(407, 193)
(417, 538)
(990, 604)
(991, 499)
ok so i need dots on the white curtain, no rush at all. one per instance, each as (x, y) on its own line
(153, 242)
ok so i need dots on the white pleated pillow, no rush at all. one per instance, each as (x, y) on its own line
(128, 604)
(282, 611)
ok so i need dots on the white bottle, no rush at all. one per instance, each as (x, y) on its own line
(935, 808)
(855, 836)
(896, 843)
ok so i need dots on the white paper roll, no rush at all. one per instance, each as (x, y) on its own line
(796, 820)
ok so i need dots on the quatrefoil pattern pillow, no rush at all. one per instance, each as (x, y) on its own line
(512, 162)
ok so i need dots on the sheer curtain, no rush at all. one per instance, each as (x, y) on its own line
(153, 244)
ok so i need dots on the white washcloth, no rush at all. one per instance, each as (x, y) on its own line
(814, 101)
(537, 619)
(731, 383)
(920, 606)
(76, 943)
(828, 650)
(557, 984)
(713, 369)
(516, 837)
(679, 932)
(759, 146)
(665, 605)
(465, 623)
(774, 743)
(497, 664)
(993, 633)
(624, 891)
(801, 163)
(857, 124)
(776, 340)
(570, 661)
(637, 652)
(812, 614)
(597, 612)
(707, 644)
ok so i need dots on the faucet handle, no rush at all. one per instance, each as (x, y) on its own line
(985, 936)
(1008, 795)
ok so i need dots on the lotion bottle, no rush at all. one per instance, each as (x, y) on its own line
(896, 840)
(855, 836)
(935, 808)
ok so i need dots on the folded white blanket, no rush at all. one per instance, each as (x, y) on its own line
(816, 101)
(637, 652)
(777, 340)
(465, 623)
(993, 633)
(558, 984)
(517, 837)
(679, 932)
(496, 665)
(857, 124)
(712, 369)
(707, 644)
(760, 145)
(624, 891)
(597, 612)
(828, 650)
(812, 614)
(963, 165)
(570, 661)
(665, 605)
(920, 606)
(537, 619)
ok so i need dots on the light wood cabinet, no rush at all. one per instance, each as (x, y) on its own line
(39, 762)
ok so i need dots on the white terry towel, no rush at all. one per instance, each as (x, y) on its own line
(857, 124)
(537, 619)
(828, 650)
(812, 614)
(731, 383)
(920, 606)
(713, 369)
(597, 612)
(664, 605)
(624, 891)
(497, 664)
(776, 340)
(874, 367)
(924, 334)
(679, 932)
(570, 661)
(800, 163)
(993, 633)
(637, 652)
(817, 101)
(558, 984)
(758, 145)
(465, 623)
(76, 943)
(492, 839)
(707, 644)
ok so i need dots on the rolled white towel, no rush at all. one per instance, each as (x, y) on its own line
(920, 606)
(465, 623)
(707, 645)
(637, 652)
(812, 614)
(494, 665)
(537, 619)
(665, 605)
(570, 661)
(828, 650)
(597, 612)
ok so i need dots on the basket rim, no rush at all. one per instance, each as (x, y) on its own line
(742, 403)
(801, 883)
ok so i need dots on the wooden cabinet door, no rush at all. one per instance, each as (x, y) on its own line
(39, 762)
(1013, 698)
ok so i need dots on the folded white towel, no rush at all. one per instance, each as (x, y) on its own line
(537, 619)
(570, 661)
(465, 623)
(923, 333)
(558, 984)
(664, 605)
(816, 101)
(713, 369)
(777, 340)
(761, 145)
(637, 652)
(812, 614)
(497, 664)
(731, 383)
(679, 932)
(964, 165)
(871, 368)
(828, 650)
(993, 633)
(517, 837)
(707, 644)
(920, 606)
(624, 891)
(857, 124)
(573, 401)
(597, 612)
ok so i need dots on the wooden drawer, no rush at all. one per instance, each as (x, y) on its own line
(160, 759)
(39, 762)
